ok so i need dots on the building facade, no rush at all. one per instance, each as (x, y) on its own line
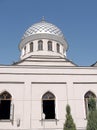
(34, 92)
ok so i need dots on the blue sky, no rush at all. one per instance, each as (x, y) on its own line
(76, 18)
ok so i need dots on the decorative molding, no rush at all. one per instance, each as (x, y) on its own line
(48, 82)
(84, 82)
(9, 82)
(47, 73)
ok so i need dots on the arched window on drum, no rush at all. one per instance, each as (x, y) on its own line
(31, 47)
(49, 46)
(58, 48)
(40, 45)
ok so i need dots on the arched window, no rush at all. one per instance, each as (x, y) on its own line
(40, 45)
(5, 105)
(31, 47)
(24, 50)
(88, 95)
(58, 48)
(48, 104)
(49, 46)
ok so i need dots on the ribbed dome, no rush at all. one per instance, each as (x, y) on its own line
(43, 27)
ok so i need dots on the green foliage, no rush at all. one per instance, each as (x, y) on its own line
(69, 123)
(92, 117)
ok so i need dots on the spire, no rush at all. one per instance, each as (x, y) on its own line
(43, 19)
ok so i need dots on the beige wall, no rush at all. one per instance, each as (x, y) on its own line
(28, 84)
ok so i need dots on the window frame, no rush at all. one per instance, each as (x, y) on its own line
(58, 47)
(88, 95)
(31, 47)
(25, 50)
(49, 46)
(48, 96)
(4, 96)
(40, 45)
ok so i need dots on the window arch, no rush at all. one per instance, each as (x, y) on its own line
(31, 47)
(5, 105)
(24, 50)
(58, 48)
(88, 95)
(49, 46)
(48, 104)
(40, 45)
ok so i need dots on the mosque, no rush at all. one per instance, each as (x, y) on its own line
(35, 90)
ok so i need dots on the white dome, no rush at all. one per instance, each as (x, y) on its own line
(43, 27)
(43, 30)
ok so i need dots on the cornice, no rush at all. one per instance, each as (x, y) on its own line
(43, 36)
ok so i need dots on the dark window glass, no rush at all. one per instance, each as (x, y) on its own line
(58, 48)
(24, 50)
(40, 45)
(5, 103)
(49, 46)
(31, 47)
(48, 101)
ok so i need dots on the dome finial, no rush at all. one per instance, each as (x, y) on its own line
(43, 19)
